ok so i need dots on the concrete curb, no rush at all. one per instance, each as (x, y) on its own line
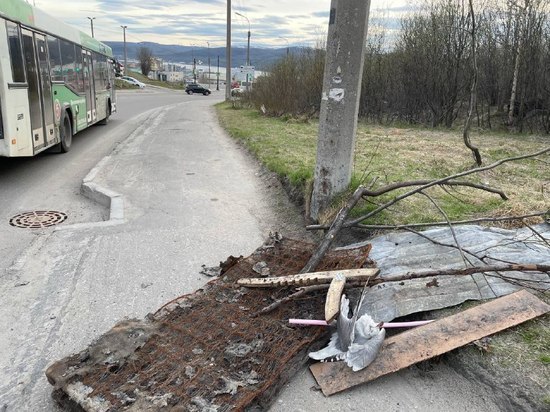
(110, 199)
(99, 194)
(106, 197)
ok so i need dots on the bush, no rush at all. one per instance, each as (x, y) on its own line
(293, 86)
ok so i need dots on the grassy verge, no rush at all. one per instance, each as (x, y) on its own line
(391, 154)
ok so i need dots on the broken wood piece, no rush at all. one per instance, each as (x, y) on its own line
(425, 342)
(334, 295)
(314, 278)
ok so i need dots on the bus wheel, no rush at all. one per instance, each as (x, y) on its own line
(66, 135)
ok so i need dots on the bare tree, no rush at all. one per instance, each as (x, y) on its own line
(473, 89)
(521, 11)
(145, 57)
(433, 46)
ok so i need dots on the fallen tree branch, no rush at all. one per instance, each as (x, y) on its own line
(453, 233)
(340, 220)
(540, 236)
(401, 185)
(333, 231)
(465, 272)
(425, 274)
(443, 180)
(420, 225)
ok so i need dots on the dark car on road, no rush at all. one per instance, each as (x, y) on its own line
(197, 88)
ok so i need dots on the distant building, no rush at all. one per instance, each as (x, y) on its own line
(172, 77)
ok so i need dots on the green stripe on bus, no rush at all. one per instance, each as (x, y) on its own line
(17, 10)
(93, 44)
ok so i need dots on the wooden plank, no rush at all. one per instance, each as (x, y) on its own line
(425, 342)
(334, 295)
(314, 278)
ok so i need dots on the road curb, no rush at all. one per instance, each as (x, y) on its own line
(108, 198)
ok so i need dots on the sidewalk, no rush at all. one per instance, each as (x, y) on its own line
(181, 194)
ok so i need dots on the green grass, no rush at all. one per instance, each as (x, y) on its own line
(284, 147)
(393, 154)
(526, 348)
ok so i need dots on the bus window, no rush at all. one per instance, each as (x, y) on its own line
(68, 60)
(99, 72)
(55, 59)
(81, 72)
(14, 39)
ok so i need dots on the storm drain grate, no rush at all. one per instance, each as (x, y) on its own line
(38, 219)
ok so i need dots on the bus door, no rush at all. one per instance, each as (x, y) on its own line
(91, 114)
(46, 86)
(34, 91)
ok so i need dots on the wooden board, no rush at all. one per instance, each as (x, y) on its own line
(425, 342)
(313, 278)
(334, 296)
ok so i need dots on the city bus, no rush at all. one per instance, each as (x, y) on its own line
(55, 81)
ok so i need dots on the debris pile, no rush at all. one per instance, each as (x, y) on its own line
(205, 351)
(228, 345)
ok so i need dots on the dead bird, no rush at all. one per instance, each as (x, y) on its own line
(357, 340)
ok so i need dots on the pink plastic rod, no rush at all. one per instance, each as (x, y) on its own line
(308, 322)
(313, 322)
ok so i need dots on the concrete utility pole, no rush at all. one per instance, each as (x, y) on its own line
(92, 24)
(228, 54)
(125, 55)
(218, 75)
(347, 32)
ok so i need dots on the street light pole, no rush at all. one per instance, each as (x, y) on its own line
(208, 43)
(92, 24)
(194, 64)
(248, 45)
(125, 55)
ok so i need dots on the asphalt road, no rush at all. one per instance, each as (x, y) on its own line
(51, 181)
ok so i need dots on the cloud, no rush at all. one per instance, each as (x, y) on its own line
(198, 21)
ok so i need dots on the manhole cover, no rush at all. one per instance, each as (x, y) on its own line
(38, 219)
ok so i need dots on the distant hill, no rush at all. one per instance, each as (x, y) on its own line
(261, 58)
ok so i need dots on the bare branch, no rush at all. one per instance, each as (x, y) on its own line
(466, 261)
(542, 238)
(443, 180)
(420, 225)
(425, 274)
(400, 185)
(465, 272)
(333, 231)
(435, 242)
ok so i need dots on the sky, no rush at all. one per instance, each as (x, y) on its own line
(273, 23)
